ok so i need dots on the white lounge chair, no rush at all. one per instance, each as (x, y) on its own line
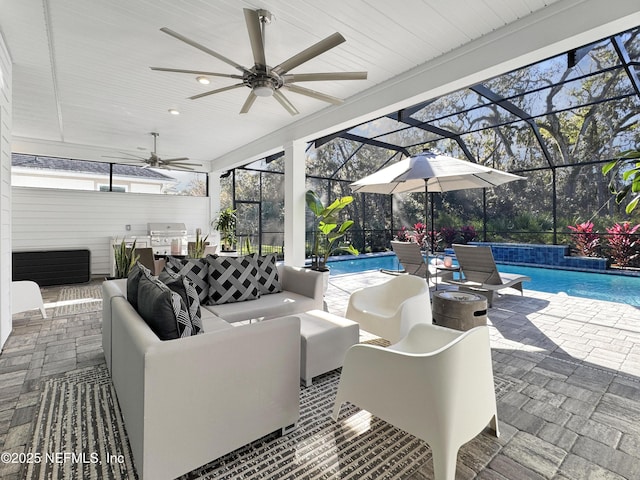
(390, 309)
(480, 273)
(26, 295)
(436, 384)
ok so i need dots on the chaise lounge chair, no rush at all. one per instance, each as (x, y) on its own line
(411, 258)
(480, 273)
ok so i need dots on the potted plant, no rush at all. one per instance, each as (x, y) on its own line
(125, 258)
(328, 230)
(226, 225)
(197, 248)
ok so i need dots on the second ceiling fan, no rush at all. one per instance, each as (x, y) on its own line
(266, 81)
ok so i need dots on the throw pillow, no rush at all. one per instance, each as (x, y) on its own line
(267, 278)
(132, 283)
(231, 279)
(162, 309)
(195, 269)
(182, 286)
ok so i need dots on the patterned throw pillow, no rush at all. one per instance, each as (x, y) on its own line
(162, 309)
(231, 279)
(195, 269)
(267, 278)
(181, 285)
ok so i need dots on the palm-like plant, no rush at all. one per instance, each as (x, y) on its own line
(125, 258)
(329, 230)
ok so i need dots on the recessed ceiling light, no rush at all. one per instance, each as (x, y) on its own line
(203, 80)
(173, 111)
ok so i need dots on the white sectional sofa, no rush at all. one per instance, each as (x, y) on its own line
(188, 401)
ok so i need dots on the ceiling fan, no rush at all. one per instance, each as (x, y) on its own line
(266, 81)
(154, 161)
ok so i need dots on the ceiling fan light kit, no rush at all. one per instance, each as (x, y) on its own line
(263, 80)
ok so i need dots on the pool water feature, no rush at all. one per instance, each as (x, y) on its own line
(598, 286)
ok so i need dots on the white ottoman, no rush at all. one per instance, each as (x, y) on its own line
(324, 341)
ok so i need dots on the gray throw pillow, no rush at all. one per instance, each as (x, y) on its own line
(195, 269)
(133, 279)
(186, 290)
(267, 278)
(162, 309)
(231, 279)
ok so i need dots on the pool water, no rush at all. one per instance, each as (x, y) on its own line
(599, 286)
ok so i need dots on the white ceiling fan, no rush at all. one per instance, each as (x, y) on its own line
(266, 81)
(154, 161)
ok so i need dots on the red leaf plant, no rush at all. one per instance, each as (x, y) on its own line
(623, 244)
(587, 241)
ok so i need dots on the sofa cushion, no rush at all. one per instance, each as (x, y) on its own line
(267, 279)
(213, 323)
(132, 282)
(162, 309)
(195, 269)
(267, 307)
(231, 279)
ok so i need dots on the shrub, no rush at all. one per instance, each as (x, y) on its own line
(587, 241)
(434, 240)
(419, 234)
(449, 236)
(623, 244)
(468, 233)
(403, 235)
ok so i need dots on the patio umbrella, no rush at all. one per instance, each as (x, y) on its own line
(432, 172)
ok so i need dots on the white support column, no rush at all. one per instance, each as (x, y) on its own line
(214, 206)
(294, 204)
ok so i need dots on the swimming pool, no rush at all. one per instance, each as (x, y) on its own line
(599, 286)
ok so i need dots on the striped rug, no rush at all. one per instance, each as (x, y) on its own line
(78, 299)
(78, 431)
(79, 426)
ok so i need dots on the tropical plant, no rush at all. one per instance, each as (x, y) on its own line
(403, 235)
(449, 236)
(125, 258)
(328, 229)
(587, 241)
(434, 240)
(629, 165)
(623, 244)
(197, 249)
(420, 234)
(468, 233)
(226, 225)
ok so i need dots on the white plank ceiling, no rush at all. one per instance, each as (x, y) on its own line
(81, 72)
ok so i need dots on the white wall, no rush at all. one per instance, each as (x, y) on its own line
(5, 193)
(61, 219)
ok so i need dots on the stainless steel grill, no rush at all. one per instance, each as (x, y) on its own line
(168, 238)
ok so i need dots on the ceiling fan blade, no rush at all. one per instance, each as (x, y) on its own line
(167, 160)
(288, 106)
(223, 89)
(252, 19)
(187, 164)
(320, 77)
(312, 93)
(248, 102)
(135, 157)
(195, 44)
(195, 72)
(309, 53)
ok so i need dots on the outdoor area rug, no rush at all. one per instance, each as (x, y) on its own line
(78, 299)
(78, 431)
(78, 415)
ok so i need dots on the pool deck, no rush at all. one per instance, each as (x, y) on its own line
(572, 366)
(574, 409)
